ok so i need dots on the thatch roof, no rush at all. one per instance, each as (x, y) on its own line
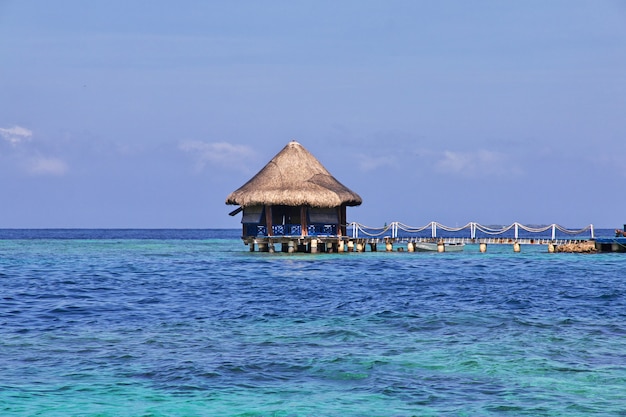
(294, 177)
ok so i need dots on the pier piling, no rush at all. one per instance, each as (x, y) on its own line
(357, 242)
(313, 245)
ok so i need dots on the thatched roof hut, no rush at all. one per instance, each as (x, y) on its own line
(294, 178)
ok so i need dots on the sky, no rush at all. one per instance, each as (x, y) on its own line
(147, 114)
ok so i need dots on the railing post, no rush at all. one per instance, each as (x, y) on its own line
(473, 230)
(433, 229)
(591, 227)
(553, 231)
(516, 230)
(355, 232)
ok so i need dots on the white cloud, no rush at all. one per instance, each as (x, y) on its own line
(26, 156)
(16, 134)
(42, 165)
(370, 163)
(476, 163)
(222, 154)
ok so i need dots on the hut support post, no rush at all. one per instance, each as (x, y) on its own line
(303, 221)
(268, 220)
(341, 229)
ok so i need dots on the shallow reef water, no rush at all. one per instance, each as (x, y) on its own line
(189, 323)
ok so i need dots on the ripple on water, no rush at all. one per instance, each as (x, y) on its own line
(178, 327)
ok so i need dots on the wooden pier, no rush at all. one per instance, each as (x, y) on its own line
(338, 244)
(401, 238)
(293, 204)
(615, 244)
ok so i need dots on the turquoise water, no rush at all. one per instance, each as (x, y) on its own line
(189, 323)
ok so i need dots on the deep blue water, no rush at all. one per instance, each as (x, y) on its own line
(189, 323)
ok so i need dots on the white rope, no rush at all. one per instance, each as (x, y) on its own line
(363, 230)
(534, 229)
(453, 229)
(491, 231)
(410, 229)
(362, 226)
(379, 231)
(572, 232)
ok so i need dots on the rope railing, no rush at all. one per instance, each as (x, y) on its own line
(452, 229)
(474, 227)
(368, 231)
(534, 229)
(410, 229)
(575, 232)
(490, 231)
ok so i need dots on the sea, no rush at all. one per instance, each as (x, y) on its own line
(191, 323)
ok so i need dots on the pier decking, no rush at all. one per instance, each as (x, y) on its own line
(399, 237)
(611, 244)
